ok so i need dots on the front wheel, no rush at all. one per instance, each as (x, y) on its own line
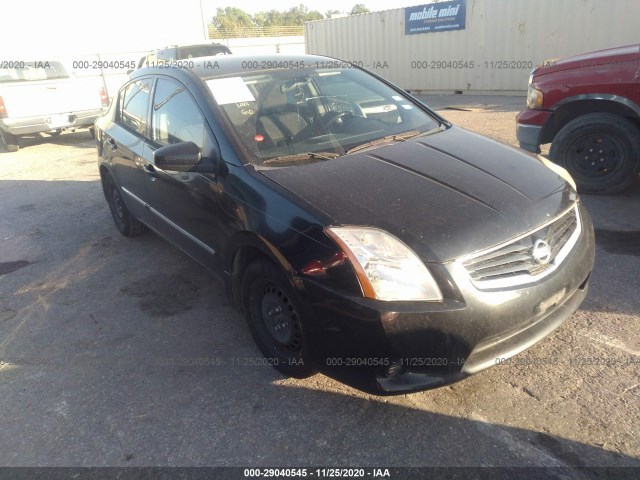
(600, 151)
(275, 319)
(10, 141)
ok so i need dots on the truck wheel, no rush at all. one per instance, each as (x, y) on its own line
(55, 133)
(600, 151)
(10, 141)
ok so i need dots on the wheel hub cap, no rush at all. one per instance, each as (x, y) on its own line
(595, 155)
(280, 318)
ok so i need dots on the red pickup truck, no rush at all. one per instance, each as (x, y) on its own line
(588, 107)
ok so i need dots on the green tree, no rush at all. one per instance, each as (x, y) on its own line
(233, 21)
(272, 18)
(358, 9)
(231, 18)
(300, 14)
(260, 19)
(331, 12)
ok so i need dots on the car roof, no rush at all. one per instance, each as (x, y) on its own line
(219, 66)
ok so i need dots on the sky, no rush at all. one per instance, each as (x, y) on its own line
(37, 29)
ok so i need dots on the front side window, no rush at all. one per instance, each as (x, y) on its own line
(176, 117)
(134, 106)
(275, 114)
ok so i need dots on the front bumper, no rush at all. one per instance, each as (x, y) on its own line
(47, 123)
(529, 129)
(399, 347)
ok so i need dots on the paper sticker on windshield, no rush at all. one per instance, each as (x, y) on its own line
(407, 107)
(397, 98)
(230, 90)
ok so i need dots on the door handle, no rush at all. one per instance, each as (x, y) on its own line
(112, 143)
(151, 170)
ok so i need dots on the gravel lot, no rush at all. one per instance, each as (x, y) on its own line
(98, 334)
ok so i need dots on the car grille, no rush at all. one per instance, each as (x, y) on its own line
(527, 258)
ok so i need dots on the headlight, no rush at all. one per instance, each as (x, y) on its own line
(386, 267)
(562, 172)
(534, 98)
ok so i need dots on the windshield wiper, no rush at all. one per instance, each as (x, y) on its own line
(398, 137)
(301, 156)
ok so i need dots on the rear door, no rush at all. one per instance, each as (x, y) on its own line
(125, 142)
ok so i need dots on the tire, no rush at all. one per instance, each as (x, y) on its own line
(55, 133)
(601, 151)
(275, 319)
(10, 141)
(126, 224)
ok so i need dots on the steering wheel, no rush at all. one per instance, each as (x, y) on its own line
(329, 118)
(357, 109)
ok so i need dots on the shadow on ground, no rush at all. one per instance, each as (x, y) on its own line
(124, 352)
(81, 138)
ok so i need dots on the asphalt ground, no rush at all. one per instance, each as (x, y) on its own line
(123, 352)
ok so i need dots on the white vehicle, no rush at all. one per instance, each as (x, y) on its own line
(43, 96)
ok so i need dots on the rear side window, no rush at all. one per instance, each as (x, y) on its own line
(134, 106)
(176, 116)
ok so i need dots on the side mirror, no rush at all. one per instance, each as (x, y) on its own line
(179, 157)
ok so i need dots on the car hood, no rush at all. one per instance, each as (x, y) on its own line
(444, 195)
(608, 56)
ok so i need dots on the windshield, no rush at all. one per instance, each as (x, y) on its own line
(295, 113)
(30, 71)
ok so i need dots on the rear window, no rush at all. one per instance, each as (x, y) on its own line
(195, 51)
(31, 71)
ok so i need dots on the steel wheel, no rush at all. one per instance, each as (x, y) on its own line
(275, 319)
(126, 224)
(117, 207)
(594, 156)
(280, 323)
(600, 150)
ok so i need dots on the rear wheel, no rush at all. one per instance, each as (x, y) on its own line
(600, 151)
(10, 141)
(126, 224)
(275, 319)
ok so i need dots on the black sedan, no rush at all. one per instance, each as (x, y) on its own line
(361, 234)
